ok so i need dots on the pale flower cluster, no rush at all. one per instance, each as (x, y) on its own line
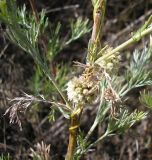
(72, 92)
(109, 63)
(81, 90)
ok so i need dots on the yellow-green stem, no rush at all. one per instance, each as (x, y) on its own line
(126, 44)
(72, 136)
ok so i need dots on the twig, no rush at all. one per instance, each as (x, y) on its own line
(136, 22)
(35, 13)
(3, 50)
(62, 8)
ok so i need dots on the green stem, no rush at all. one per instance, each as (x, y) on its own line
(98, 140)
(124, 45)
(60, 92)
(35, 13)
(97, 120)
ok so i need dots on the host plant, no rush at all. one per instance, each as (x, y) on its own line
(98, 82)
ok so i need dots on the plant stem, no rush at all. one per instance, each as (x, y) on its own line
(72, 136)
(98, 18)
(59, 91)
(96, 121)
(124, 45)
(35, 13)
(98, 140)
(44, 42)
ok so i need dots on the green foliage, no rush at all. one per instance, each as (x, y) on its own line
(22, 28)
(51, 115)
(2, 157)
(138, 74)
(124, 121)
(82, 146)
(35, 82)
(40, 84)
(146, 98)
(55, 43)
(36, 156)
(78, 28)
(24, 31)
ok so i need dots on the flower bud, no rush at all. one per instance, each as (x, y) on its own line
(110, 65)
(85, 91)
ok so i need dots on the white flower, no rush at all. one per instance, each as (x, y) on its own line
(81, 90)
(73, 92)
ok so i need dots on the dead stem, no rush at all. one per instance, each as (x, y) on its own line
(98, 17)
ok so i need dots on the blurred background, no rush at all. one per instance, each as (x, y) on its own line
(17, 75)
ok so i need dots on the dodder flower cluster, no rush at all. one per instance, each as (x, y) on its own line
(81, 90)
(108, 62)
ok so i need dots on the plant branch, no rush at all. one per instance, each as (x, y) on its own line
(73, 136)
(124, 45)
(60, 92)
(98, 16)
(98, 140)
(43, 41)
(36, 16)
(96, 121)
